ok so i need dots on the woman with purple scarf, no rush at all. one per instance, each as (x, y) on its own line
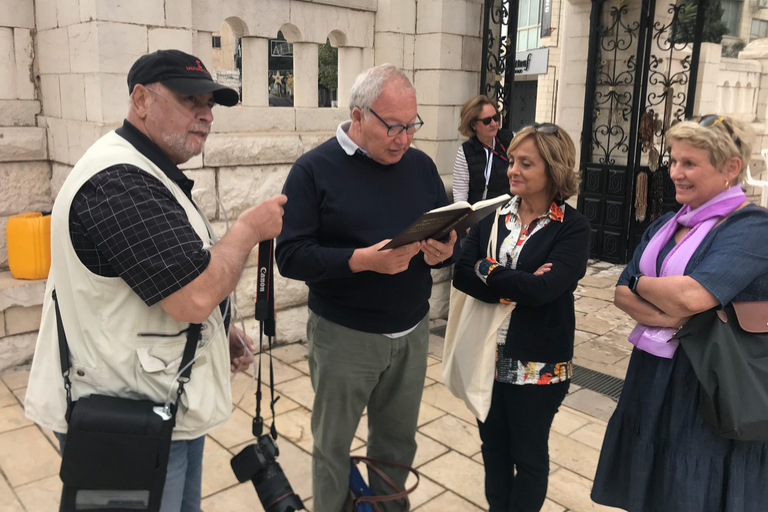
(658, 455)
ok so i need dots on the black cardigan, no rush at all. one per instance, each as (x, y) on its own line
(474, 153)
(543, 322)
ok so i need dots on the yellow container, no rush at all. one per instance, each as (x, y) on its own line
(29, 245)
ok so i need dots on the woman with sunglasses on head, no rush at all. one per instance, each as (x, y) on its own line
(543, 247)
(658, 455)
(480, 168)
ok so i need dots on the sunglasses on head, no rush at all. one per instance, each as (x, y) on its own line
(548, 128)
(711, 120)
(487, 120)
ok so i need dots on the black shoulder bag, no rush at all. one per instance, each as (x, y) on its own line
(728, 349)
(116, 451)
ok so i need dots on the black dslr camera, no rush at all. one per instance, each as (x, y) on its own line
(258, 463)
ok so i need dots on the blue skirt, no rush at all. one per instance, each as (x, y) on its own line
(658, 455)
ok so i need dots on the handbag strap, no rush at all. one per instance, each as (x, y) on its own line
(373, 463)
(193, 336)
(492, 240)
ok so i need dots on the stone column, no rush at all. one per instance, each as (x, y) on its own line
(255, 66)
(305, 75)
(706, 81)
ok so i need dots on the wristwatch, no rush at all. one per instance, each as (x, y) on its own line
(633, 282)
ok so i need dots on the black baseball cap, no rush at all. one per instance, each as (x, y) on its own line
(180, 72)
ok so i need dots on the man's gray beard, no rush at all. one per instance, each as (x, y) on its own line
(178, 143)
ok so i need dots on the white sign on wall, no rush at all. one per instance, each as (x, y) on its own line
(532, 62)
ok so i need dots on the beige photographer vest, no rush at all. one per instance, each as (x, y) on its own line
(119, 346)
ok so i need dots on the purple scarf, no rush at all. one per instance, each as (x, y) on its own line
(660, 341)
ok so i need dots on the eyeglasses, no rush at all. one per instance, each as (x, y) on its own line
(393, 130)
(548, 128)
(711, 120)
(487, 120)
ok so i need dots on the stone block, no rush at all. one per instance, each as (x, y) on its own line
(59, 173)
(253, 119)
(45, 14)
(242, 187)
(438, 51)
(310, 141)
(249, 149)
(24, 53)
(26, 187)
(19, 320)
(18, 112)
(204, 190)
(388, 48)
(16, 350)
(3, 245)
(315, 22)
(443, 87)
(438, 301)
(442, 152)
(449, 16)
(178, 13)
(84, 47)
(53, 51)
(108, 97)
(409, 43)
(138, 12)
(442, 274)
(58, 144)
(80, 136)
(17, 292)
(320, 119)
(291, 324)
(87, 10)
(396, 16)
(196, 162)
(471, 53)
(2, 324)
(17, 13)
(263, 18)
(288, 292)
(7, 62)
(121, 44)
(73, 89)
(440, 123)
(255, 64)
(22, 144)
(67, 12)
(170, 39)
(51, 95)
(203, 50)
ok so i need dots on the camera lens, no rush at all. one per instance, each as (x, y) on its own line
(275, 493)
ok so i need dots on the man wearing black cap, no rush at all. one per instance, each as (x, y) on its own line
(135, 262)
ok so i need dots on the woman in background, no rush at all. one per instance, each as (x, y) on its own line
(480, 168)
(658, 455)
(542, 254)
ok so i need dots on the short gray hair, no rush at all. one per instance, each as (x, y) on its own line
(369, 84)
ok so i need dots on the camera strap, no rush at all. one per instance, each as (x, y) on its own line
(193, 336)
(265, 314)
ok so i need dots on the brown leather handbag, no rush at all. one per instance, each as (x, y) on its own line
(360, 499)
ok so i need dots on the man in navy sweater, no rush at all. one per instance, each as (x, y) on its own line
(368, 326)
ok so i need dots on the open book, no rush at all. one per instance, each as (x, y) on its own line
(438, 223)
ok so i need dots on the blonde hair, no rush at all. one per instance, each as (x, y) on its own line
(717, 140)
(469, 112)
(559, 155)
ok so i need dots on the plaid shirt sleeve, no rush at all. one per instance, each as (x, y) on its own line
(125, 223)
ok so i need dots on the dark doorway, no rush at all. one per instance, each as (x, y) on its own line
(523, 104)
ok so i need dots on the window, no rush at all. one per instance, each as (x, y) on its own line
(528, 25)
(763, 4)
(732, 15)
(759, 29)
(216, 41)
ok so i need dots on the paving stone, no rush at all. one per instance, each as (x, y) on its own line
(237, 430)
(8, 501)
(601, 352)
(573, 455)
(26, 456)
(299, 390)
(428, 413)
(302, 366)
(233, 500)
(291, 354)
(283, 372)
(572, 491)
(467, 483)
(217, 471)
(438, 396)
(551, 506)
(433, 360)
(597, 282)
(425, 492)
(16, 379)
(248, 404)
(566, 422)
(20, 394)
(590, 305)
(41, 496)
(595, 293)
(593, 324)
(435, 372)
(448, 502)
(582, 336)
(296, 427)
(456, 434)
(591, 403)
(6, 397)
(429, 382)
(590, 435)
(436, 344)
(12, 418)
(608, 369)
(427, 450)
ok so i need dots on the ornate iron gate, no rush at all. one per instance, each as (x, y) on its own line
(641, 78)
(497, 75)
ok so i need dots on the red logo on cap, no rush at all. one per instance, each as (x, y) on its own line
(198, 68)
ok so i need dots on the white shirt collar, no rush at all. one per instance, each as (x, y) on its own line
(347, 144)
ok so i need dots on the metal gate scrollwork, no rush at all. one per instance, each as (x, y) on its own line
(497, 73)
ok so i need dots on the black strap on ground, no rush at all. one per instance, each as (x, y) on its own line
(265, 314)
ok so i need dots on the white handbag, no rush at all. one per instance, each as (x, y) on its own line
(469, 354)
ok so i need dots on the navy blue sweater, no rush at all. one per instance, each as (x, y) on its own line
(338, 203)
